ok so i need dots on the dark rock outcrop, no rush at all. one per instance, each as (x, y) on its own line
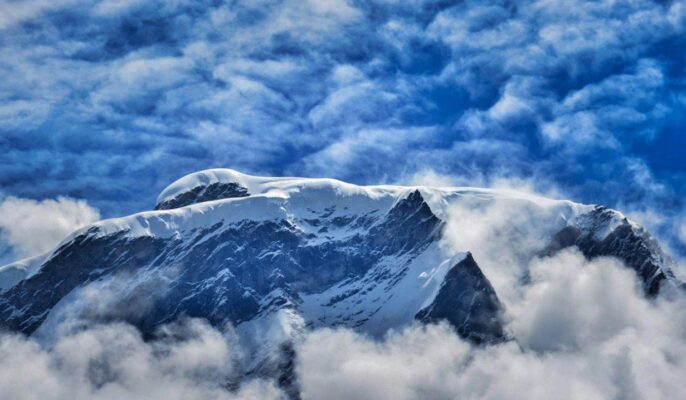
(468, 302)
(631, 244)
(232, 273)
(199, 194)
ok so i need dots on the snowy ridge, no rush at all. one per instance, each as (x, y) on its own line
(287, 254)
(438, 198)
(292, 198)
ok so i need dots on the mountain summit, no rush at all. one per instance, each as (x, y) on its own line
(276, 256)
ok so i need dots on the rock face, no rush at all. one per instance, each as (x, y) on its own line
(626, 241)
(202, 193)
(468, 302)
(300, 253)
(224, 272)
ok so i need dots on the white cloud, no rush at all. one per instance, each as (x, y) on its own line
(134, 81)
(362, 147)
(572, 303)
(352, 103)
(409, 365)
(15, 12)
(429, 177)
(32, 227)
(581, 329)
(22, 114)
(502, 236)
(280, 77)
(189, 360)
(289, 79)
(594, 114)
(115, 7)
(339, 9)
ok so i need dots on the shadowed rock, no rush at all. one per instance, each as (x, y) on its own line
(630, 243)
(199, 194)
(468, 302)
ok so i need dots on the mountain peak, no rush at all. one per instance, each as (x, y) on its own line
(207, 185)
(235, 248)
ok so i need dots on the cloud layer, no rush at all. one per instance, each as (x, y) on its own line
(188, 360)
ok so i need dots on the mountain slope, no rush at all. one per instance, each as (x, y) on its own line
(284, 254)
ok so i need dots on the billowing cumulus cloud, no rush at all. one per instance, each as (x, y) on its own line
(503, 236)
(188, 360)
(29, 227)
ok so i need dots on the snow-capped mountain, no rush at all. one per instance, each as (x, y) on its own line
(275, 256)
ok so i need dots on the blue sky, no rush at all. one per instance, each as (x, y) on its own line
(110, 101)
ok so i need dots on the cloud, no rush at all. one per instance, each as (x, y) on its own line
(580, 329)
(114, 7)
(361, 149)
(598, 111)
(406, 365)
(31, 227)
(15, 12)
(502, 236)
(126, 296)
(429, 177)
(187, 360)
(573, 302)
(583, 330)
(111, 101)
